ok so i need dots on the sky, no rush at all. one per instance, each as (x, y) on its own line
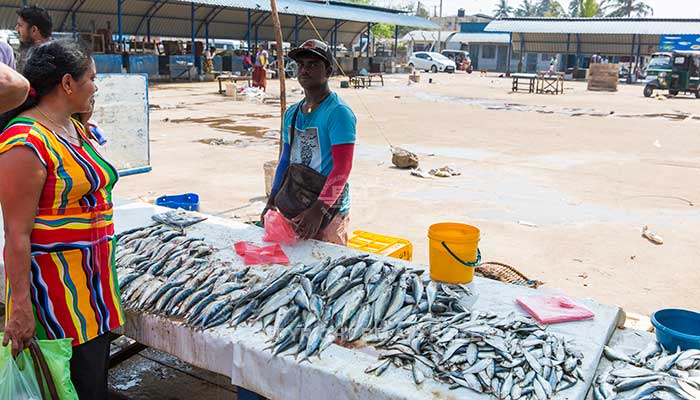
(662, 8)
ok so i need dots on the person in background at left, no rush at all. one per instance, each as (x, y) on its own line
(209, 60)
(34, 27)
(260, 68)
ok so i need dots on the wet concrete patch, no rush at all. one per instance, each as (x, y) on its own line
(258, 115)
(220, 142)
(679, 116)
(229, 125)
(155, 375)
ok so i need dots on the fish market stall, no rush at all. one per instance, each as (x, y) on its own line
(350, 310)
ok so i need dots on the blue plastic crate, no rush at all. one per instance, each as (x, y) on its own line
(187, 201)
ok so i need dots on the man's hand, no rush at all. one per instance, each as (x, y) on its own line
(308, 223)
(21, 327)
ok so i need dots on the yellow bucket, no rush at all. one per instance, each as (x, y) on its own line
(454, 252)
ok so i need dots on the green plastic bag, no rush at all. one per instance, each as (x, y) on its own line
(57, 354)
(17, 379)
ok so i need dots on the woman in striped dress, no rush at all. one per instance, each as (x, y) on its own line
(56, 197)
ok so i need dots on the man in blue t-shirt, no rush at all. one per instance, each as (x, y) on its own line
(323, 140)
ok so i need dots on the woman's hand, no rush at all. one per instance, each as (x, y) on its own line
(21, 326)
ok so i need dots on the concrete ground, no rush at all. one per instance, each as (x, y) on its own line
(560, 186)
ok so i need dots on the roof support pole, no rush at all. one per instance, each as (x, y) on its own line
(629, 72)
(248, 34)
(369, 31)
(639, 53)
(195, 61)
(396, 40)
(73, 8)
(510, 54)
(280, 69)
(568, 45)
(522, 52)
(148, 28)
(74, 26)
(256, 35)
(334, 38)
(578, 54)
(296, 31)
(157, 5)
(119, 21)
(206, 36)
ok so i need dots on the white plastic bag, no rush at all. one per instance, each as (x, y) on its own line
(17, 378)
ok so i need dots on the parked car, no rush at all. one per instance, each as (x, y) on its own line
(433, 62)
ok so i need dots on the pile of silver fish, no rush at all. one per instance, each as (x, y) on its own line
(651, 373)
(308, 306)
(509, 357)
(418, 324)
(163, 272)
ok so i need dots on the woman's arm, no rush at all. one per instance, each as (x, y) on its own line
(22, 178)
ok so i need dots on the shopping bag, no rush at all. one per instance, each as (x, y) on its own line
(46, 368)
(17, 379)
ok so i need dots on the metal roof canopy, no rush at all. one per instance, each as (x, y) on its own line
(224, 19)
(460, 37)
(609, 36)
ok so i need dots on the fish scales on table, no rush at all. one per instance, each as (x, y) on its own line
(650, 373)
(417, 324)
(162, 271)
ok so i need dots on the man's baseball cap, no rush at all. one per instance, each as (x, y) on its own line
(316, 47)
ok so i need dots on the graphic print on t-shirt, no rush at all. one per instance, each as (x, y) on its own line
(306, 148)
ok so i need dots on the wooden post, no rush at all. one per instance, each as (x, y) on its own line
(280, 68)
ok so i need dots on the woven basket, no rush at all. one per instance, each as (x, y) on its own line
(505, 273)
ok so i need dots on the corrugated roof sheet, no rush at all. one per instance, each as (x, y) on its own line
(611, 45)
(481, 38)
(427, 36)
(459, 37)
(227, 18)
(642, 26)
(322, 10)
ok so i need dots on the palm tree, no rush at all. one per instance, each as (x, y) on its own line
(526, 9)
(503, 10)
(550, 8)
(555, 10)
(590, 8)
(629, 8)
(574, 8)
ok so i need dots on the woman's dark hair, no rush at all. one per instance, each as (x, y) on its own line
(45, 68)
(37, 16)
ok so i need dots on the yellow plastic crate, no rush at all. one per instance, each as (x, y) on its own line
(382, 245)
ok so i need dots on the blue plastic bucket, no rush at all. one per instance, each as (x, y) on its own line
(676, 328)
(187, 201)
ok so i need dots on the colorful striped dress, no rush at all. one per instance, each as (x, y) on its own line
(74, 286)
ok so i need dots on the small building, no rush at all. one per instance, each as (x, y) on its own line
(452, 23)
(576, 40)
(488, 50)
